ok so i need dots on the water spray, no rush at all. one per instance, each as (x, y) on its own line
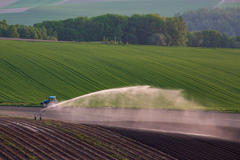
(139, 107)
(137, 97)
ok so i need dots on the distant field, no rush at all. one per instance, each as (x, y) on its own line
(31, 3)
(235, 4)
(57, 12)
(5, 3)
(30, 71)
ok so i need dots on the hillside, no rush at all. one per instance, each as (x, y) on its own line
(30, 71)
(224, 20)
(39, 13)
(230, 3)
(31, 3)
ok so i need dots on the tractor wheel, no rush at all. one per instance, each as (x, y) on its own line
(44, 105)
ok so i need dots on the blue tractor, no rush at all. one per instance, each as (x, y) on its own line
(50, 101)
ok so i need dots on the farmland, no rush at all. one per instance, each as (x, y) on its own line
(57, 12)
(32, 70)
(22, 138)
(30, 3)
(234, 4)
(48, 139)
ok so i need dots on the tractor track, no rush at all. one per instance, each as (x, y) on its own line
(49, 139)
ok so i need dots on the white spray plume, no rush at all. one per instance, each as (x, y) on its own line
(137, 97)
(143, 107)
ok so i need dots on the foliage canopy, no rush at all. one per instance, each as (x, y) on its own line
(135, 29)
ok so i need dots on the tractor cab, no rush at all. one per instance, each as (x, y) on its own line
(51, 100)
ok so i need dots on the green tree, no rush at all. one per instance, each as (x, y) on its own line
(206, 39)
(33, 33)
(44, 33)
(39, 33)
(177, 29)
(55, 35)
(3, 22)
(12, 32)
(67, 34)
(135, 29)
(157, 39)
(238, 38)
(224, 40)
(113, 23)
(195, 39)
(27, 33)
(3, 28)
(215, 38)
(223, 20)
(50, 31)
(118, 32)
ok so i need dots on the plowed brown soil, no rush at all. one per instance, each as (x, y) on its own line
(183, 146)
(52, 138)
(22, 138)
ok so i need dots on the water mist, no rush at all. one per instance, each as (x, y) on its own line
(140, 107)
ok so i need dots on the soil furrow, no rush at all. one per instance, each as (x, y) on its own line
(38, 150)
(114, 139)
(133, 142)
(123, 150)
(6, 152)
(72, 142)
(45, 142)
(181, 146)
(59, 144)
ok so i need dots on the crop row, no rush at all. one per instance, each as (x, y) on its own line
(49, 139)
(118, 141)
(68, 70)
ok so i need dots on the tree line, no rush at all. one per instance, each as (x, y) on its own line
(224, 20)
(136, 29)
(27, 32)
(149, 29)
(212, 38)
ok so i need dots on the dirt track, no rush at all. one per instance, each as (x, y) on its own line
(223, 125)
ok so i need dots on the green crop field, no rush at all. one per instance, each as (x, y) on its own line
(30, 71)
(166, 8)
(31, 3)
(235, 4)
